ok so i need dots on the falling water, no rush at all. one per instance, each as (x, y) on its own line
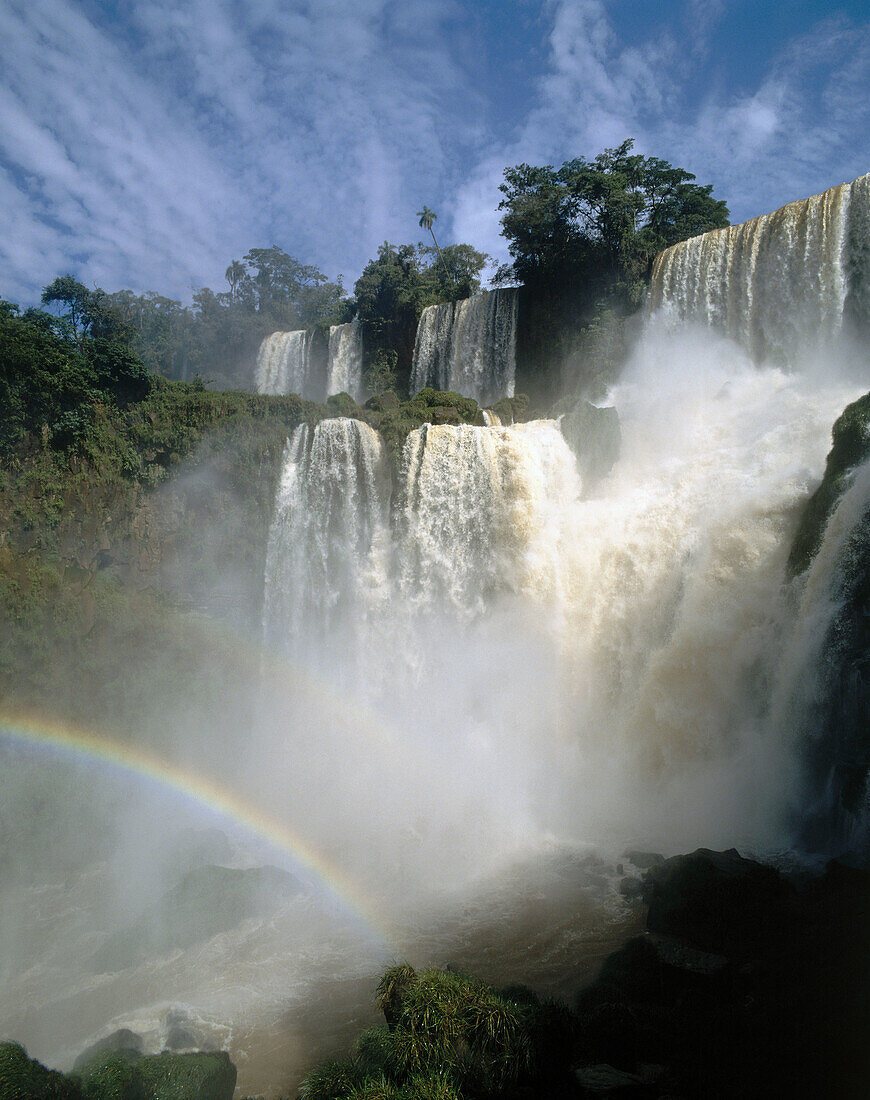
(327, 535)
(482, 669)
(777, 284)
(344, 370)
(468, 346)
(283, 363)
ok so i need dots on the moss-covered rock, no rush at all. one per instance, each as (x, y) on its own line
(112, 1075)
(23, 1078)
(851, 447)
(512, 410)
(163, 1076)
(427, 407)
(341, 404)
(593, 434)
(188, 1076)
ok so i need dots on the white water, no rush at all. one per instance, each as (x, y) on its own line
(778, 284)
(324, 564)
(477, 669)
(468, 346)
(344, 368)
(283, 363)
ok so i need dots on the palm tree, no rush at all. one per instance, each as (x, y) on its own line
(234, 275)
(427, 217)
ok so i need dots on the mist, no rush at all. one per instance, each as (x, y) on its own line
(432, 710)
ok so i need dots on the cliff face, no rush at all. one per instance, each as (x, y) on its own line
(109, 593)
(832, 551)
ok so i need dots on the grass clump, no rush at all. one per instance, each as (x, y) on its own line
(448, 1037)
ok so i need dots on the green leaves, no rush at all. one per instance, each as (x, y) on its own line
(448, 1036)
(605, 218)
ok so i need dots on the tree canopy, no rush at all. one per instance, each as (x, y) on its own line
(582, 238)
(54, 370)
(397, 285)
(604, 219)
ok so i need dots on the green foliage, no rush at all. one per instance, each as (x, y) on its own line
(22, 1078)
(450, 1036)
(112, 1077)
(582, 238)
(158, 1077)
(427, 407)
(218, 335)
(55, 372)
(604, 219)
(341, 404)
(396, 286)
(188, 1076)
(851, 447)
(381, 374)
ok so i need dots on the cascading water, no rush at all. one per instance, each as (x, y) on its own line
(344, 369)
(478, 671)
(283, 363)
(327, 537)
(482, 509)
(782, 284)
(468, 346)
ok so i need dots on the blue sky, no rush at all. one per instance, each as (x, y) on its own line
(146, 143)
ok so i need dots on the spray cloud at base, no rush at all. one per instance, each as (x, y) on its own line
(473, 661)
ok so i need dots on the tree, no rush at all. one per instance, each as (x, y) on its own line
(234, 275)
(601, 220)
(427, 218)
(582, 240)
(86, 313)
(395, 288)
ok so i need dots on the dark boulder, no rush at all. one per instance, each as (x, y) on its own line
(122, 1042)
(717, 901)
(594, 435)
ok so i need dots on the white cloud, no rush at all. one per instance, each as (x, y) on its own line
(168, 146)
(149, 152)
(801, 129)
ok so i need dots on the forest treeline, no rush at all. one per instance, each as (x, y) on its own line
(581, 239)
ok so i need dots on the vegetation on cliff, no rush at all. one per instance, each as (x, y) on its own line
(450, 1036)
(582, 238)
(851, 447)
(119, 1075)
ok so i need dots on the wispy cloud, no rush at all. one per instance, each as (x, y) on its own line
(166, 146)
(800, 130)
(148, 144)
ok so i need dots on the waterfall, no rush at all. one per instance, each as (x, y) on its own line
(344, 370)
(283, 363)
(780, 284)
(468, 346)
(631, 627)
(327, 536)
(482, 513)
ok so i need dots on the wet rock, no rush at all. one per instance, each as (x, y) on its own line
(208, 900)
(123, 1042)
(644, 860)
(718, 901)
(631, 887)
(594, 435)
(605, 1080)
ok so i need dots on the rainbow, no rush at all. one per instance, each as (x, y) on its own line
(99, 749)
